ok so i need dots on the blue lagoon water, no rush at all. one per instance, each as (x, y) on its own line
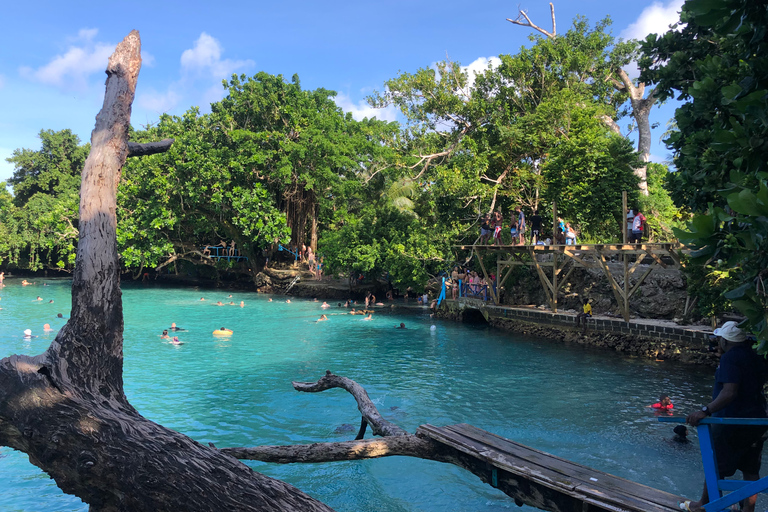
(585, 405)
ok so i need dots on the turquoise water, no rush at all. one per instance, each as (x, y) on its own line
(580, 404)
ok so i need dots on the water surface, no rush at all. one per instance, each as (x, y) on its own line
(581, 404)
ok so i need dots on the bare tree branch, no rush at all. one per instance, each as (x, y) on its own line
(149, 148)
(529, 23)
(379, 426)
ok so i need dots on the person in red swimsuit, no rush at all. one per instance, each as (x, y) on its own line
(664, 404)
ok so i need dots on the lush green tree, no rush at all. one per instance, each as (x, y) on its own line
(483, 142)
(586, 174)
(270, 163)
(54, 169)
(41, 223)
(718, 62)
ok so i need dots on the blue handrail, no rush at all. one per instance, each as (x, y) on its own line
(715, 485)
(281, 248)
(441, 297)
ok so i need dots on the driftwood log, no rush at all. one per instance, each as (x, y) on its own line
(66, 408)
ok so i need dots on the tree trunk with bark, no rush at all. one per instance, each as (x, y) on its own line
(66, 408)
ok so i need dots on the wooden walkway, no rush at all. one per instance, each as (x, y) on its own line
(542, 480)
(560, 257)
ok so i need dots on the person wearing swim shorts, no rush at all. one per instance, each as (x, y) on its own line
(497, 223)
(513, 229)
(737, 393)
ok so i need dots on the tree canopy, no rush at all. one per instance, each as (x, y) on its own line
(273, 163)
(716, 62)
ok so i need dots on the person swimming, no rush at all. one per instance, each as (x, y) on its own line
(322, 318)
(39, 298)
(175, 341)
(223, 330)
(401, 326)
(28, 334)
(242, 304)
(47, 328)
(219, 304)
(174, 328)
(369, 317)
(164, 336)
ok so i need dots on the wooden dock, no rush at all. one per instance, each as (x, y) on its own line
(542, 480)
(561, 257)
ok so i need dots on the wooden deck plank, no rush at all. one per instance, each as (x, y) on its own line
(608, 492)
(573, 469)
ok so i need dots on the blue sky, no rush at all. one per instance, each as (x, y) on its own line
(53, 54)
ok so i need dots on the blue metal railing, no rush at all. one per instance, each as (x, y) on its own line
(715, 485)
(295, 254)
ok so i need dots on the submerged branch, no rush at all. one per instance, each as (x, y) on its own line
(379, 426)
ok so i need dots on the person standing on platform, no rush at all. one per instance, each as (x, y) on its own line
(535, 227)
(485, 229)
(514, 229)
(520, 225)
(738, 393)
(498, 221)
(638, 227)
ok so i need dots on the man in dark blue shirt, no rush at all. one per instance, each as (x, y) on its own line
(738, 393)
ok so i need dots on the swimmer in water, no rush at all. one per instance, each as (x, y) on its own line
(242, 304)
(202, 298)
(401, 326)
(50, 301)
(223, 330)
(322, 318)
(288, 301)
(175, 341)
(59, 316)
(164, 336)
(174, 328)
(39, 298)
(28, 334)
(219, 303)
(25, 283)
(352, 312)
(269, 300)
(47, 328)
(369, 317)
(325, 305)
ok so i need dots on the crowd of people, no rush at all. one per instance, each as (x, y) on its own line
(492, 229)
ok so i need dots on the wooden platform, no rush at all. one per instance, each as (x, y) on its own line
(542, 480)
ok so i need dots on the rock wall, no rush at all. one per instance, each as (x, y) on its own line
(662, 295)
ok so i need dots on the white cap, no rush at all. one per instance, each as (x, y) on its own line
(28, 332)
(730, 332)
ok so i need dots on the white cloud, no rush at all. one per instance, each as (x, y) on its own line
(205, 57)
(478, 67)
(73, 69)
(655, 19)
(362, 109)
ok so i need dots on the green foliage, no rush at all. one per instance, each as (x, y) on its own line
(40, 222)
(660, 211)
(484, 142)
(586, 174)
(718, 61)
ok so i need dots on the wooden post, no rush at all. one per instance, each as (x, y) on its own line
(554, 220)
(624, 233)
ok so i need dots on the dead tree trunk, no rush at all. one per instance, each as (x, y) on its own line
(66, 408)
